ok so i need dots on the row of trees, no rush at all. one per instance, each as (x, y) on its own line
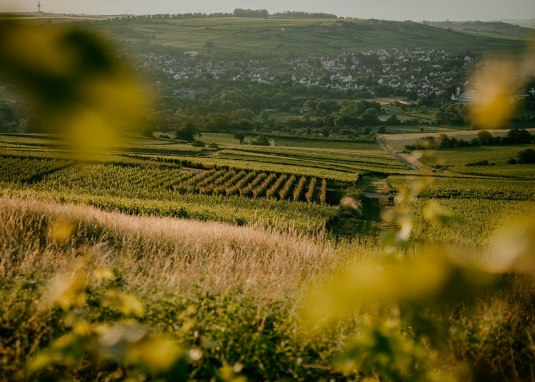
(238, 12)
(484, 138)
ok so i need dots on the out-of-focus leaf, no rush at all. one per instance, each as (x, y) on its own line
(66, 290)
(513, 247)
(493, 89)
(103, 274)
(77, 84)
(124, 303)
(381, 350)
(67, 350)
(228, 373)
(438, 215)
(61, 230)
(159, 354)
(429, 277)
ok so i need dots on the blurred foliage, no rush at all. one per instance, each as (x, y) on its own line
(75, 82)
(495, 88)
(121, 347)
(404, 296)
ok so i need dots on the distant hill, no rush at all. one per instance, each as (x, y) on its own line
(299, 36)
(490, 27)
(283, 36)
(523, 23)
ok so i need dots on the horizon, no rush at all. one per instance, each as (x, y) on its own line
(414, 10)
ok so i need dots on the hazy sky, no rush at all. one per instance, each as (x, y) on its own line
(380, 9)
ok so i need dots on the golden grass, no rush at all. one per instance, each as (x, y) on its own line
(158, 254)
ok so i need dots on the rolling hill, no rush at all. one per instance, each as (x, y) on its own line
(307, 37)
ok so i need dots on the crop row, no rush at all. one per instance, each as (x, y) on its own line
(28, 170)
(156, 182)
(255, 185)
(115, 180)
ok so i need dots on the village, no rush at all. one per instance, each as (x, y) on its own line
(386, 72)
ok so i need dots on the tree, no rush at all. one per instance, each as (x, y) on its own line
(393, 120)
(240, 137)
(485, 138)
(526, 156)
(8, 119)
(187, 132)
(260, 140)
(238, 12)
(520, 136)
(370, 117)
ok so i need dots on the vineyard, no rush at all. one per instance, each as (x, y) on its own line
(282, 187)
(28, 170)
(254, 185)
(282, 201)
(471, 188)
(137, 181)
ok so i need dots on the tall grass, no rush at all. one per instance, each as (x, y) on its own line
(158, 253)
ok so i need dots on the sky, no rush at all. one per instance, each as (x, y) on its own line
(416, 10)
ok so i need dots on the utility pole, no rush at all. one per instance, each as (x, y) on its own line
(38, 6)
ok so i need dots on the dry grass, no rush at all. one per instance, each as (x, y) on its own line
(157, 254)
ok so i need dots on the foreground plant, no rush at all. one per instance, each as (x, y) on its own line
(116, 345)
(407, 301)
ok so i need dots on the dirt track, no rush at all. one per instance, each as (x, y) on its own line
(395, 154)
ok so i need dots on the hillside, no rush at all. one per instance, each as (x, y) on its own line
(497, 28)
(308, 37)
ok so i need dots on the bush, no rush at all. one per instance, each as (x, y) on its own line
(187, 132)
(197, 143)
(480, 163)
(260, 140)
(525, 156)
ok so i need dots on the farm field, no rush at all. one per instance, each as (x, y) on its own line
(278, 187)
(151, 202)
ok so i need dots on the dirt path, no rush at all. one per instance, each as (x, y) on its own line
(388, 149)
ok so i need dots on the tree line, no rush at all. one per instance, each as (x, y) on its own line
(484, 138)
